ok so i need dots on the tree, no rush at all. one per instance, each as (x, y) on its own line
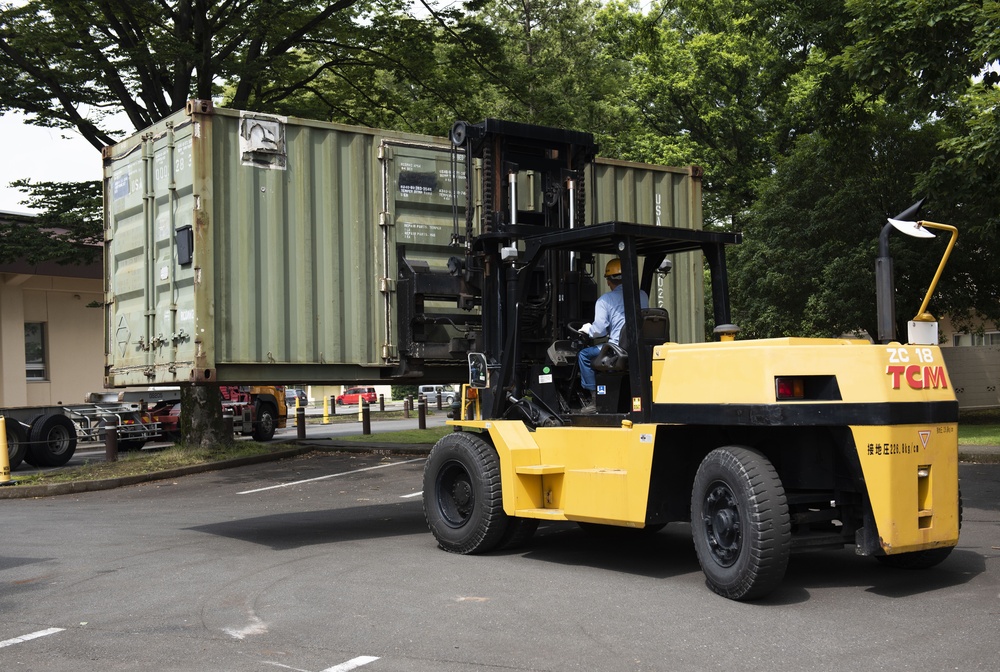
(537, 61)
(893, 93)
(72, 63)
(807, 263)
(69, 230)
(705, 84)
(147, 58)
(812, 127)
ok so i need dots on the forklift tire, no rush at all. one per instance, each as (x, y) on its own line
(53, 441)
(919, 559)
(740, 523)
(17, 443)
(265, 421)
(519, 531)
(463, 502)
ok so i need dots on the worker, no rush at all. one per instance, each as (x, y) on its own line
(609, 318)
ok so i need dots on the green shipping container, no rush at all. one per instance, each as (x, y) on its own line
(251, 248)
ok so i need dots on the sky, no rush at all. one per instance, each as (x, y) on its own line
(43, 155)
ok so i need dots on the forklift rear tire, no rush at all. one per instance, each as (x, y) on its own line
(53, 441)
(740, 523)
(17, 443)
(463, 502)
(265, 421)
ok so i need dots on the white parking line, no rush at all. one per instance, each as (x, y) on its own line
(30, 636)
(352, 664)
(412, 494)
(320, 478)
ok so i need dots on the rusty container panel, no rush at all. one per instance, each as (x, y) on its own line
(660, 196)
(250, 248)
(254, 248)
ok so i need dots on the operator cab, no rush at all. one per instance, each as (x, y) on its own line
(535, 251)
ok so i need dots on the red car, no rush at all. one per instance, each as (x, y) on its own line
(353, 396)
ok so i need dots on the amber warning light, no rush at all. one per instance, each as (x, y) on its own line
(789, 388)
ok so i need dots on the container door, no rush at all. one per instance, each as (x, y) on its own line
(149, 260)
(430, 314)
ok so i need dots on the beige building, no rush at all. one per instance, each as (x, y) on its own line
(51, 332)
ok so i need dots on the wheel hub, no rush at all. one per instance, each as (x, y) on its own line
(462, 493)
(722, 524)
(456, 496)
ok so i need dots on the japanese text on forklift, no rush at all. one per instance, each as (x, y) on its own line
(765, 446)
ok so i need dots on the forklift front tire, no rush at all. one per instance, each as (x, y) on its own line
(740, 523)
(463, 502)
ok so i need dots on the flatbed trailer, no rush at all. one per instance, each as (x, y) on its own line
(47, 436)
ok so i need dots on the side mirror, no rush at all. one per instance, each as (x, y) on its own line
(479, 375)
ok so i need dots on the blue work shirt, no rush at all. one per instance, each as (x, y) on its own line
(609, 313)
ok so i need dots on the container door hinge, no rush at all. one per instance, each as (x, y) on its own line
(384, 152)
(388, 352)
(386, 285)
(385, 219)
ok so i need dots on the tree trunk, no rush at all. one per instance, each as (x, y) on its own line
(201, 417)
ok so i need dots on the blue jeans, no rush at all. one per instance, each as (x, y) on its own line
(587, 378)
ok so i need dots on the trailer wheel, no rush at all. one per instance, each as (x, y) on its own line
(53, 441)
(919, 559)
(265, 421)
(17, 443)
(463, 503)
(740, 523)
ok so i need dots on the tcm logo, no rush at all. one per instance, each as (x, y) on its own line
(918, 377)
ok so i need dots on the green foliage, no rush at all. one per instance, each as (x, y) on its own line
(60, 58)
(806, 267)
(402, 391)
(813, 120)
(69, 230)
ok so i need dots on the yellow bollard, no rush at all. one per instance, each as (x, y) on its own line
(4, 457)
(326, 410)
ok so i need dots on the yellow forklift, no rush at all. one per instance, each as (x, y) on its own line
(764, 446)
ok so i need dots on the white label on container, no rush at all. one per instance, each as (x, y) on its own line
(164, 273)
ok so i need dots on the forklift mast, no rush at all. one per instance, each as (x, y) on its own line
(535, 256)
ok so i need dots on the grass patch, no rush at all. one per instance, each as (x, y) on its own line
(343, 417)
(979, 435)
(150, 461)
(407, 436)
(979, 428)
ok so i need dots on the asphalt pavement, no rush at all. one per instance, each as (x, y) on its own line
(324, 562)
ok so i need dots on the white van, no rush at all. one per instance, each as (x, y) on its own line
(431, 392)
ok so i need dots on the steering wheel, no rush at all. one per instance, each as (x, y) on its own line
(575, 326)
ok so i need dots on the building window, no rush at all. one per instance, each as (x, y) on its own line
(989, 338)
(34, 351)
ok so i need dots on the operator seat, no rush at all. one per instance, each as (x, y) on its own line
(655, 326)
(611, 363)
